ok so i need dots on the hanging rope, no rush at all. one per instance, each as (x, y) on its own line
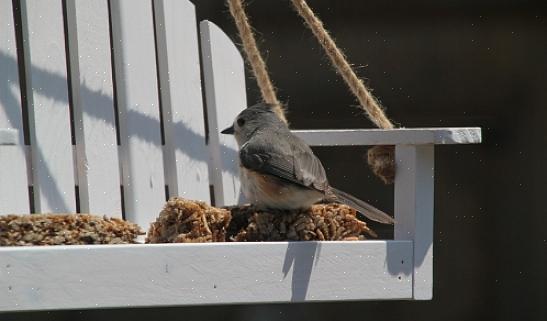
(381, 159)
(366, 99)
(254, 58)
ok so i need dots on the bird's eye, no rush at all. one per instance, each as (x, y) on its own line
(241, 122)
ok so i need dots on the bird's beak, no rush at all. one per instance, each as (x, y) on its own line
(228, 131)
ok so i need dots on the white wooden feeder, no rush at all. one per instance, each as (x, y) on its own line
(105, 276)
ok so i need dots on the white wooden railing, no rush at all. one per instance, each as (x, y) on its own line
(155, 63)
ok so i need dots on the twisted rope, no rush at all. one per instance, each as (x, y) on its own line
(254, 58)
(368, 102)
(381, 159)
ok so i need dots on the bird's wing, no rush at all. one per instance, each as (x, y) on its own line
(291, 160)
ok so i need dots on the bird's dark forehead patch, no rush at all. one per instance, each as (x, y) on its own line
(256, 110)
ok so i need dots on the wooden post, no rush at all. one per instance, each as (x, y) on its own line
(414, 211)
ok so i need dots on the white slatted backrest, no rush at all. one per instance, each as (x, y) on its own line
(185, 152)
(13, 174)
(224, 77)
(189, 162)
(49, 114)
(93, 104)
(138, 105)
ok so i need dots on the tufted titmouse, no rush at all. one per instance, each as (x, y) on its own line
(279, 170)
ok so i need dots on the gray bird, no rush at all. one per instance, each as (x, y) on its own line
(278, 170)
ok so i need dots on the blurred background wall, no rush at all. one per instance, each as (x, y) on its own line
(431, 63)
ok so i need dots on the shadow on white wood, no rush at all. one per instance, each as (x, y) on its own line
(414, 198)
(71, 277)
(185, 152)
(14, 196)
(139, 110)
(79, 277)
(93, 107)
(224, 78)
(48, 105)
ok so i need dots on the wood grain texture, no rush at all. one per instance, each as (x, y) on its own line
(138, 105)
(93, 105)
(49, 114)
(78, 277)
(400, 136)
(224, 78)
(414, 197)
(186, 154)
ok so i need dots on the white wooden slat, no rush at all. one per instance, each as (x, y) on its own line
(93, 103)
(399, 136)
(186, 154)
(78, 277)
(10, 95)
(13, 172)
(225, 95)
(14, 197)
(138, 105)
(49, 115)
(9, 136)
(414, 197)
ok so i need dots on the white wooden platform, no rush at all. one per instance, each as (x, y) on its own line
(163, 146)
(80, 277)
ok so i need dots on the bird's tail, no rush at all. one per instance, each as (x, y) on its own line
(363, 207)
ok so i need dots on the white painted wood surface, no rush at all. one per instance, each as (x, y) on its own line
(138, 105)
(93, 105)
(186, 154)
(72, 277)
(10, 92)
(14, 197)
(13, 172)
(9, 136)
(414, 196)
(49, 115)
(401, 136)
(79, 277)
(224, 78)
